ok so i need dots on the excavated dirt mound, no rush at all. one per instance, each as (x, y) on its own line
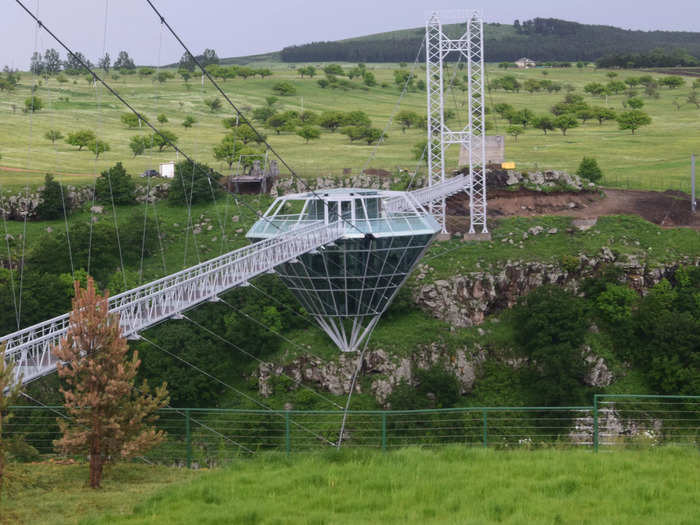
(670, 208)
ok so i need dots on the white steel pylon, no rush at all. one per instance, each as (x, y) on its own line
(437, 47)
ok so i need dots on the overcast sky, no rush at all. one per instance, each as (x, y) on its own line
(235, 28)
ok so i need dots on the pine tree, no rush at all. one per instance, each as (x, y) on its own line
(110, 418)
(7, 399)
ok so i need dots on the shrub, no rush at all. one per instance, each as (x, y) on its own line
(284, 88)
(589, 169)
(33, 104)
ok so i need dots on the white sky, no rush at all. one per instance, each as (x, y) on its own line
(235, 28)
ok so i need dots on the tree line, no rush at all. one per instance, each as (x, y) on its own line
(542, 39)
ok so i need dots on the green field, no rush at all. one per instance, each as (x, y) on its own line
(657, 157)
(446, 485)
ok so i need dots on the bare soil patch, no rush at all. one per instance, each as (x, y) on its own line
(669, 208)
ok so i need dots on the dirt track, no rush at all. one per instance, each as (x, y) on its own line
(670, 208)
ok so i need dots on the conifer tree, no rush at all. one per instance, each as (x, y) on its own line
(110, 419)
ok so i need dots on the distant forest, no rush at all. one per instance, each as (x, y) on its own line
(542, 39)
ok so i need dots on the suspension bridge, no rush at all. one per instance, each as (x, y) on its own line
(343, 253)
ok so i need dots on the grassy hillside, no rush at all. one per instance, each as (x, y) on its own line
(446, 485)
(656, 157)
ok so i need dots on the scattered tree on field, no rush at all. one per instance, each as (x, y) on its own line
(406, 119)
(124, 61)
(131, 120)
(53, 135)
(603, 113)
(284, 88)
(185, 75)
(81, 138)
(162, 118)
(214, 104)
(585, 114)
(163, 139)
(309, 133)
(633, 120)
(98, 147)
(247, 134)
(331, 120)
(565, 122)
(228, 150)
(33, 104)
(544, 122)
(589, 169)
(333, 69)
(693, 99)
(672, 81)
(635, 103)
(189, 120)
(515, 131)
(52, 61)
(104, 63)
(110, 418)
(164, 76)
(138, 144)
(207, 57)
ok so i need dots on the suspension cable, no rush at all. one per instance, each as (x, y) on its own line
(395, 110)
(243, 118)
(233, 345)
(234, 389)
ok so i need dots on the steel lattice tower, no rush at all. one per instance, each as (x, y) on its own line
(438, 46)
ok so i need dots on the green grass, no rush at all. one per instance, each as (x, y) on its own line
(657, 157)
(624, 235)
(446, 485)
(54, 494)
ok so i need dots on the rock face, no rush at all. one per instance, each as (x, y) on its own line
(21, 205)
(385, 370)
(539, 180)
(465, 300)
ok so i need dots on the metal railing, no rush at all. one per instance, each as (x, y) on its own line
(139, 308)
(208, 437)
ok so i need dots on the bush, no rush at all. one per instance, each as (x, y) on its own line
(589, 169)
(284, 88)
(115, 185)
(33, 104)
(549, 327)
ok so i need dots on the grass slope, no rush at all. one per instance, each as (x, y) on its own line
(656, 157)
(447, 485)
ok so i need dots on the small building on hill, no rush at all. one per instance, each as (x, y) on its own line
(525, 63)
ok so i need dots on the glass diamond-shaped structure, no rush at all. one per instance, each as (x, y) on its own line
(347, 285)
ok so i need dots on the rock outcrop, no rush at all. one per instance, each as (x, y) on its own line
(386, 370)
(465, 300)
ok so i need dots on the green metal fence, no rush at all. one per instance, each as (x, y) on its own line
(210, 437)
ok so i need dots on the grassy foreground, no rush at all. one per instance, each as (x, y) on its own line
(448, 485)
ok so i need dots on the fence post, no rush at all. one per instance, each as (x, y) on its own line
(383, 431)
(188, 439)
(485, 428)
(595, 422)
(287, 433)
